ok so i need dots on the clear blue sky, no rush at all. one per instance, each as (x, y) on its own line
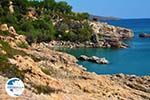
(116, 8)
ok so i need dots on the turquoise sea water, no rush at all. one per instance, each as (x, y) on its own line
(133, 60)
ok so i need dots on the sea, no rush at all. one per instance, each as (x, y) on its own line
(134, 60)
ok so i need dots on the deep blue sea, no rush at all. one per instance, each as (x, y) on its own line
(134, 60)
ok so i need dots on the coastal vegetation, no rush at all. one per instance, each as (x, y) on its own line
(40, 20)
(7, 69)
(52, 75)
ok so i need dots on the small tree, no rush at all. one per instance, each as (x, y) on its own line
(27, 27)
(49, 4)
(63, 7)
(20, 6)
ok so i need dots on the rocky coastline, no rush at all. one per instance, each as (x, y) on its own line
(53, 75)
(87, 44)
(104, 36)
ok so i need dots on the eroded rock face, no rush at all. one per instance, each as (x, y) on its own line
(111, 36)
(110, 30)
(33, 74)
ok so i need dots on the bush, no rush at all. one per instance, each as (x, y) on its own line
(27, 27)
(41, 24)
(4, 33)
(20, 6)
(71, 36)
(38, 31)
(77, 32)
(85, 32)
(63, 7)
(10, 19)
(45, 89)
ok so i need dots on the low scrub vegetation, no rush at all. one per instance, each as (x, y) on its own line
(44, 26)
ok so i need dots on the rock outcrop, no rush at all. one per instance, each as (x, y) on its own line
(144, 35)
(13, 38)
(108, 35)
(94, 59)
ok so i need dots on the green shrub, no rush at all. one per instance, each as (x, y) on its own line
(10, 51)
(44, 89)
(27, 27)
(3, 58)
(4, 33)
(71, 36)
(10, 70)
(46, 71)
(10, 19)
(22, 45)
(42, 29)
(85, 33)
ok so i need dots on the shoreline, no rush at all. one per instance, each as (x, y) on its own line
(49, 69)
(88, 44)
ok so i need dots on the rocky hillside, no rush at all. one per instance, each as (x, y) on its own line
(49, 20)
(53, 75)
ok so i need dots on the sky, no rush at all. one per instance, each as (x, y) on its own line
(115, 8)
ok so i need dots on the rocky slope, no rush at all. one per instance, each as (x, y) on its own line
(53, 75)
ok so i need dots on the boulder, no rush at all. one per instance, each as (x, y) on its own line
(94, 59)
(102, 61)
(4, 27)
(11, 30)
(144, 35)
(84, 57)
(11, 7)
(3, 52)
